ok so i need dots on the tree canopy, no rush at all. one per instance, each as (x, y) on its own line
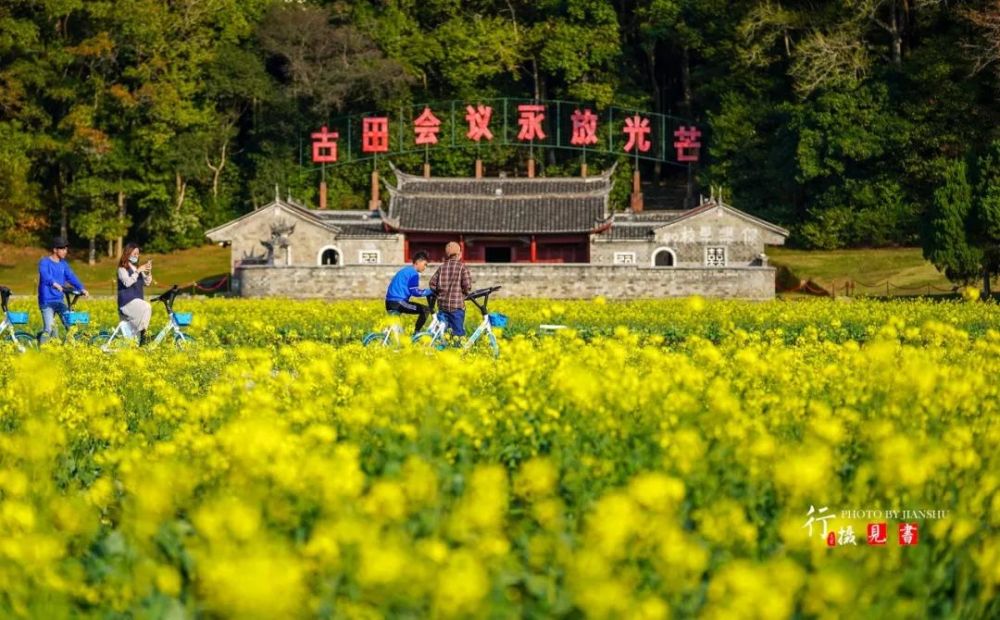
(841, 120)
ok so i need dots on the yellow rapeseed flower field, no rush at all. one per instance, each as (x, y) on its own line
(655, 459)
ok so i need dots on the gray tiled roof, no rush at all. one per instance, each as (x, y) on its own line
(498, 205)
(640, 226)
(365, 230)
(631, 231)
(504, 187)
(467, 214)
(354, 223)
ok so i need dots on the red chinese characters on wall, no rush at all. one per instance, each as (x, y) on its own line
(479, 122)
(530, 117)
(687, 144)
(426, 127)
(324, 146)
(375, 134)
(637, 128)
(584, 128)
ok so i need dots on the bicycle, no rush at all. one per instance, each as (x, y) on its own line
(391, 333)
(22, 340)
(490, 320)
(176, 321)
(70, 319)
(394, 331)
(434, 335)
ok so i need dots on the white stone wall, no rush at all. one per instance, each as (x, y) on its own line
(519, 280)
(307, 241)
(245, 237)
(743, 240)
(390, 250)
(602, 251)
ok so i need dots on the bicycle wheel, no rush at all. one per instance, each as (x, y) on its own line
(55, 339)
(80, 337)
(17, 341)
(183, 341)
(373, 337)
(426, 339)
(26, 340)
(106, 343)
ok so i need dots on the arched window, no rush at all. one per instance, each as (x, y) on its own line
(664, 257)
(329, 256)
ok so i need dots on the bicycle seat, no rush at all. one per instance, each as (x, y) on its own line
(482, 292)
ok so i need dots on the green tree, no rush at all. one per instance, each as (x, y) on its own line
(950, 240)
(986, 220)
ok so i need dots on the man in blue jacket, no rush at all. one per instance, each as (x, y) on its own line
(406, 284)
(54, 274)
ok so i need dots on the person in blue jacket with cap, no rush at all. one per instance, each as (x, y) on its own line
(406, 284)
(54, 274)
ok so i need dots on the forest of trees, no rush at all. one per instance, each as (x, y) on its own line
(843, 120)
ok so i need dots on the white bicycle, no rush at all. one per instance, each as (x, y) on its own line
(21, 340)
(434, 336)
(122, 334)
(388, 336)
(393, 333)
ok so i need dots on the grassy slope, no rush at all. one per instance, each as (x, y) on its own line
(19, 268)
(903, 267)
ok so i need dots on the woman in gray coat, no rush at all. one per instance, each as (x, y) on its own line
(132, 277)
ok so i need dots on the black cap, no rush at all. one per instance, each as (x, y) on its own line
(59, 242)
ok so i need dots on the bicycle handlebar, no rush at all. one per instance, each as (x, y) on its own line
(72, 295)
(482, 292)
(167, 297)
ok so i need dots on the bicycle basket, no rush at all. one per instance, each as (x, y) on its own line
(17, 318)
(183, 318)
(498, 320)
(77, 318)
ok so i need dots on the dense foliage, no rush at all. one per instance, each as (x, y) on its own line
(160, 119)
(606, 472)
(963, 230)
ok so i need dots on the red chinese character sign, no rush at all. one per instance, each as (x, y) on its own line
(375, 134)
(687, 144)
(530, 117)
(637, 128)
(426, 127)
(479, 122)
(324, 146)
(584, 128)
(554, 124)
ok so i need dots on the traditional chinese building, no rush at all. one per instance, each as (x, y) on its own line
(500, 220)
(545, 237)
